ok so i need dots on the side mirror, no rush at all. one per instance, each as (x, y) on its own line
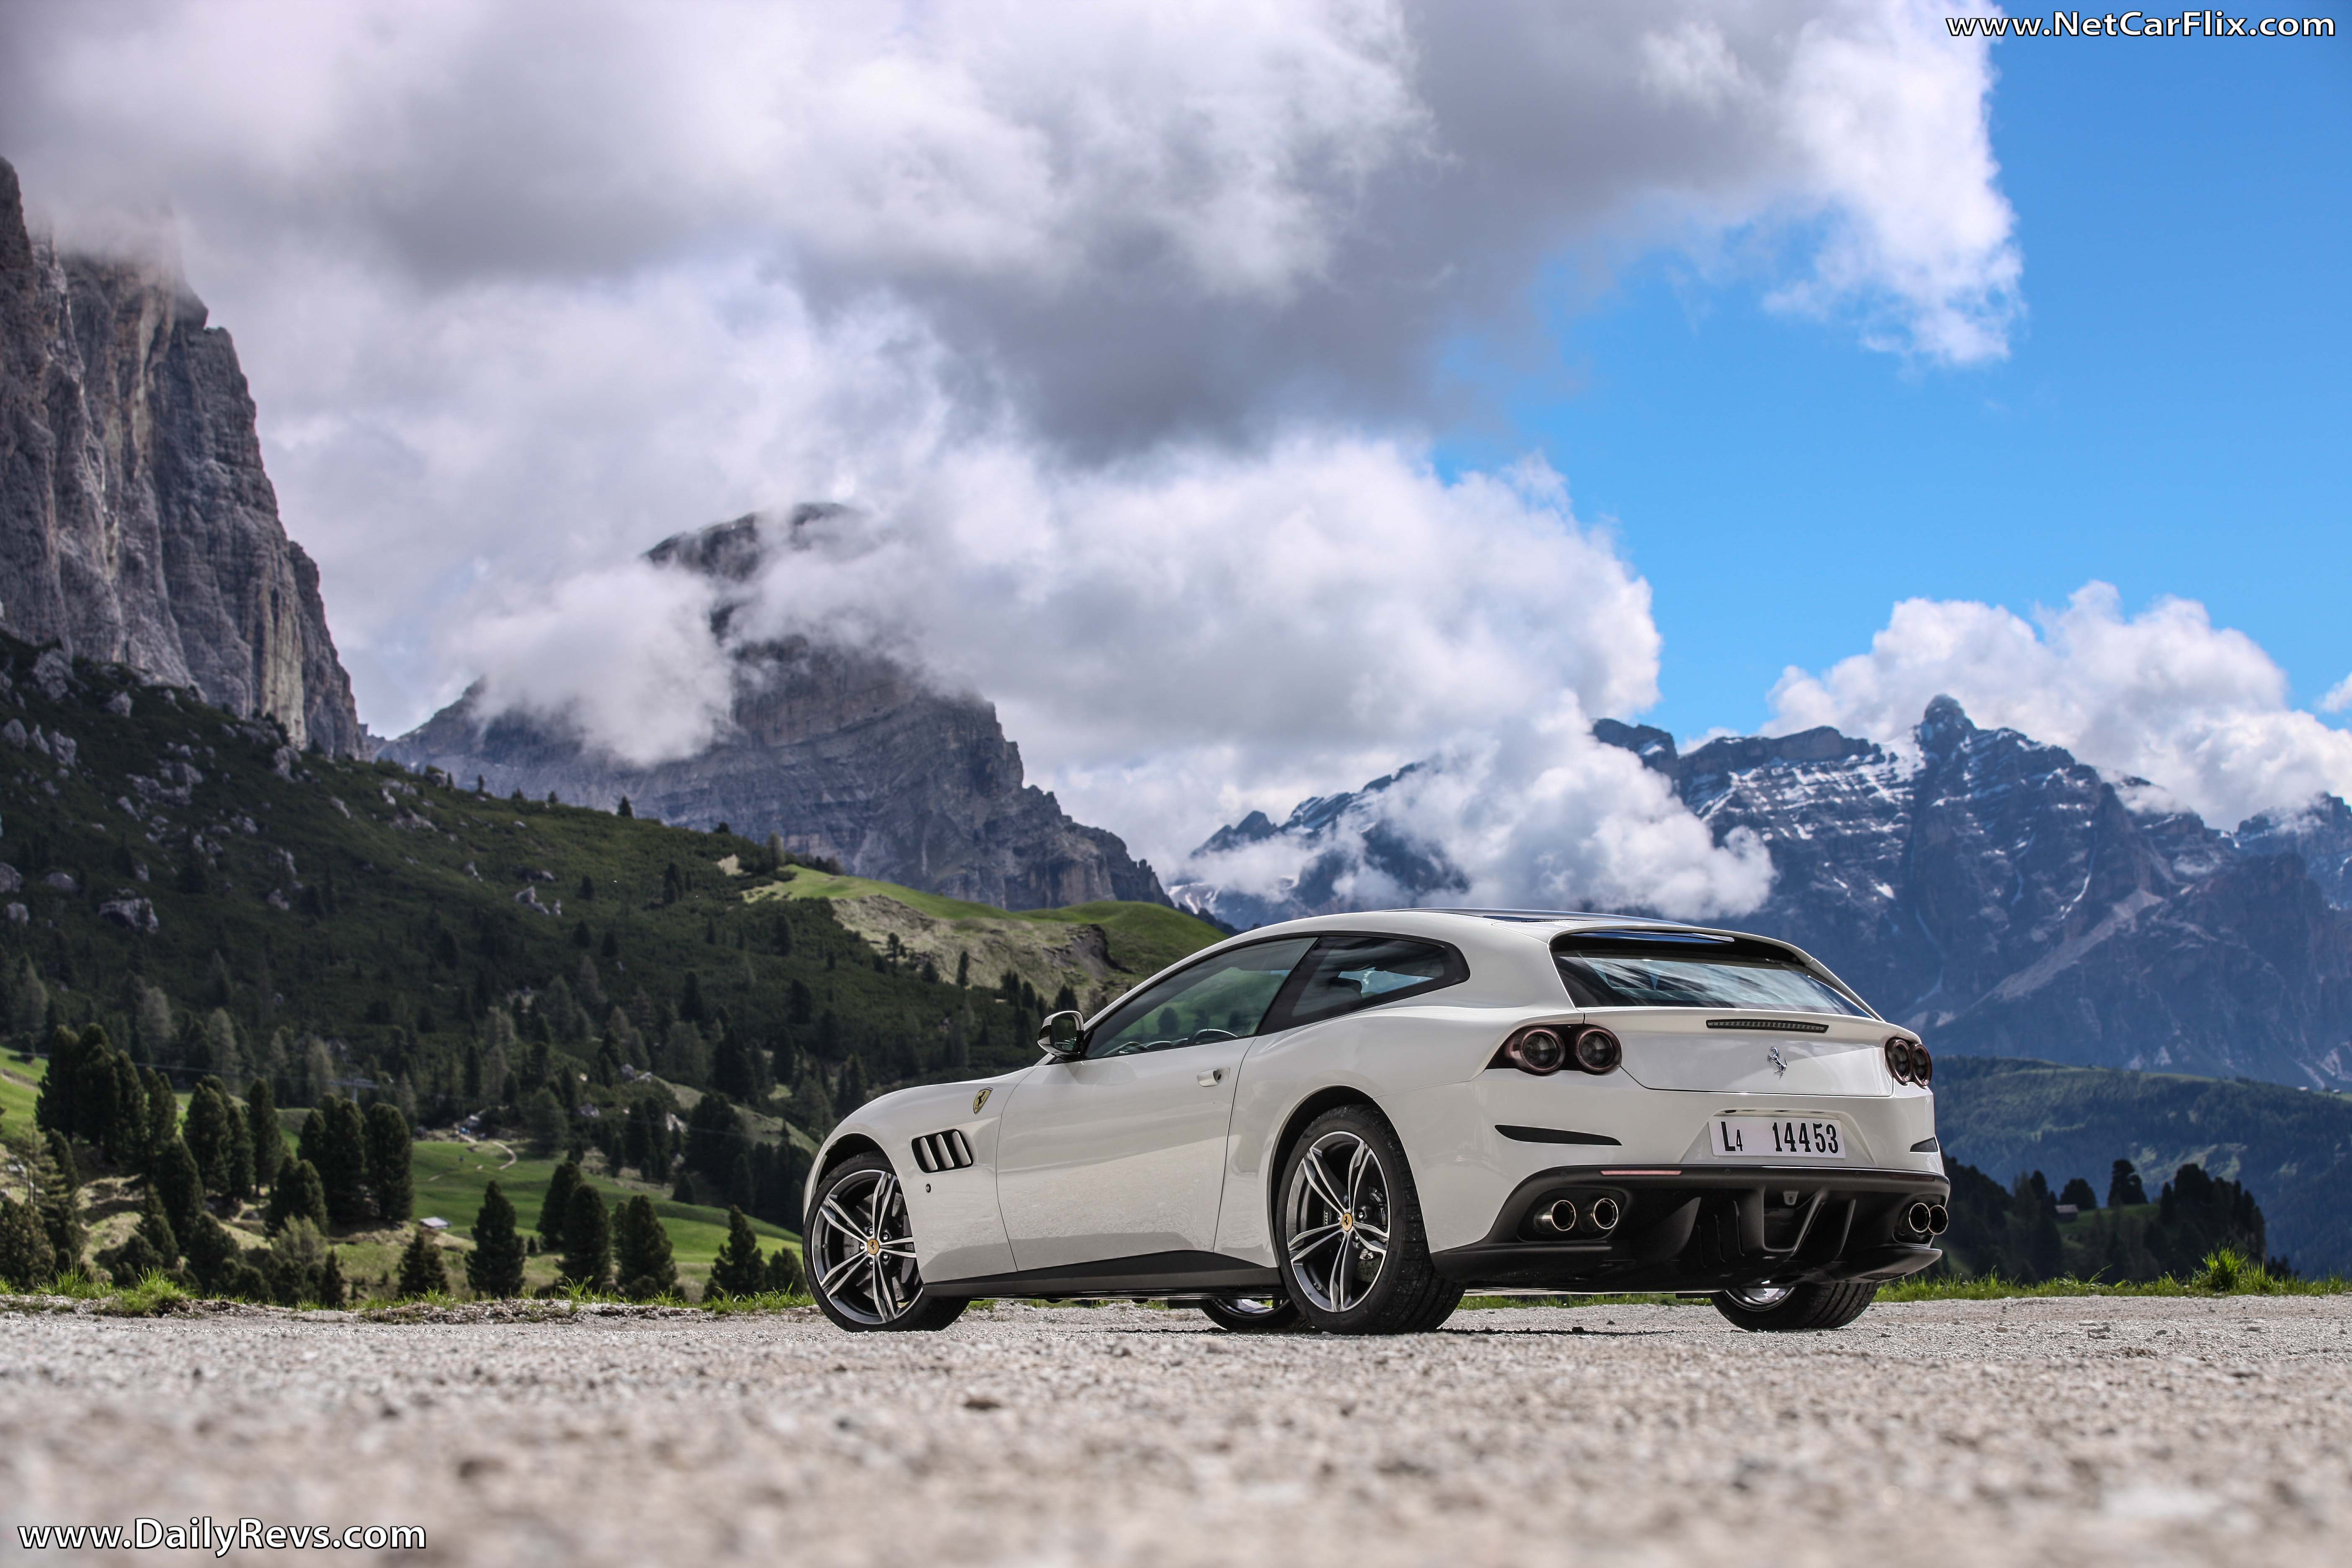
(1060, 1037)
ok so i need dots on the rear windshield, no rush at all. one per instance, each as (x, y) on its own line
(1675, 969)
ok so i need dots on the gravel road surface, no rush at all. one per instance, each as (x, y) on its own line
(2083, 1432)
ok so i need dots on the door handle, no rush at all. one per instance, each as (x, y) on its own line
(1212, 1077)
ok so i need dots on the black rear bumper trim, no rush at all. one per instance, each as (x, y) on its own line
(1553, 1135)
(1707, 1227)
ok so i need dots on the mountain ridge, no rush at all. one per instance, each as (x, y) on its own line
(1988, 888)
(845, 754)
(137, 524)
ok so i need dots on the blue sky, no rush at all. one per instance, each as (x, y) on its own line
(2172, 416)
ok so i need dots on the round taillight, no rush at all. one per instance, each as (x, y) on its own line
(1598, 1050)
(1539, 1050)
(1907, 1060)
(1922, 1065)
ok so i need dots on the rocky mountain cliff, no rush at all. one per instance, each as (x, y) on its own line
(136, 524)
(1990, 889)
(846, 755)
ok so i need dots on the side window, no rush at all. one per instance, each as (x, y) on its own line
(1350, 972)
(1225, 998)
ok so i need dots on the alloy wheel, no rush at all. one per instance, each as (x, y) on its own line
(1338, 1214)
(861, 1251)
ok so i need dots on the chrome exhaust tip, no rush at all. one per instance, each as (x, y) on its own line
(1560, 1216)
(1604, 1215)
(1919, 1219)
(1938, 1217)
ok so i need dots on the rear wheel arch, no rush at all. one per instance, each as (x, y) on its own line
(1292, 1126)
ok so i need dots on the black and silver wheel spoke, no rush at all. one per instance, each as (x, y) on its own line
(1320, 1180)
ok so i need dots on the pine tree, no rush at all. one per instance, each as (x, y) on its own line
(181, 1183)
(642, 1258)
(332, 1290)
(297, 1195)
(2125, 1187)
(150, 1247)
(543, 1115)
(163, 1117)
(62, 1210)
(711, 1137)
(342, 1159)
(155, 1226)
(624, 810)
(68, 1175)
(126, 1131)
(555, 1208)
(587, 1239)
(211, 1251)
(853, 1092)
(739, 1269)
(784, 1275)
(261, 1126)
(26, 1259)
(297, 1254)
(216, 1136)
(636, 1139)
(494, 1269)
(53, 1109)
(388, 1151)
(422, 1271)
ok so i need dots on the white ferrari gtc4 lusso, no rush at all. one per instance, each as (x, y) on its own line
(1352, 1120)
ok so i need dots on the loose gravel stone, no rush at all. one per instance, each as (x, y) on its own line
(2084, 1432)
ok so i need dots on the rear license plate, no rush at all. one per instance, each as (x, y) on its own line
(1778, 1138)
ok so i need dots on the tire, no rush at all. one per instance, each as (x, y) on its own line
(1798, 1308)
(861, 1254)
(1354, 1256)
(1251, 1314)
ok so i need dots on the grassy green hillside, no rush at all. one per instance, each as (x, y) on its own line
(20, 1085)
(222, 905)
(1096, 950)
(2291, 1148)
(451, 1177)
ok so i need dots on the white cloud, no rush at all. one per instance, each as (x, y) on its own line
(2164, 695)
(2338, 698)
(1115, 321)
(622, 653)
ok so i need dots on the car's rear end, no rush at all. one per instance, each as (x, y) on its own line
(1703, 1111)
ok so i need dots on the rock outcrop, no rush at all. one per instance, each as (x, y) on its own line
(1987, 888)
(136, 522)
(846, 755)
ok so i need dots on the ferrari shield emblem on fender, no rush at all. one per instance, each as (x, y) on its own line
(978, 1100)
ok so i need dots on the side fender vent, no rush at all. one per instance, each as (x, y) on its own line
(948, 1151)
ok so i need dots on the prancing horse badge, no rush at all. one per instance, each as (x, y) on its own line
(979, 1100)
(1774, 1057)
